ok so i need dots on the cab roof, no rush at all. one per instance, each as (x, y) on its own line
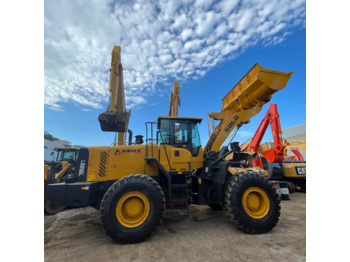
(194, 119)
(66, 148)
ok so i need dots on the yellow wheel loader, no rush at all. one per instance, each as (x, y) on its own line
(54, 171)
(133, 185)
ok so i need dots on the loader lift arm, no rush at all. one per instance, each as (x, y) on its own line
(244, 101)
(116, 118)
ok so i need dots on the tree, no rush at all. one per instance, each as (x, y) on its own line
(50, 137)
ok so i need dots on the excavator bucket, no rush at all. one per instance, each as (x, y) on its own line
(114, 121)
(255, 88)
(272, 156)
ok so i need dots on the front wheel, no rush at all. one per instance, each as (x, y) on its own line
(251, 202)
(51, 208)
(132, 208)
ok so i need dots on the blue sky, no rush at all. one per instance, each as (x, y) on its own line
(205, 45)
(76, 79)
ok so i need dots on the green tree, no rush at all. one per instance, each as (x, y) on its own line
(50, 137)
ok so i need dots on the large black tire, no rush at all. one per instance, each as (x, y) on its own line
(132, 208)
(251, 202)
(51, 208)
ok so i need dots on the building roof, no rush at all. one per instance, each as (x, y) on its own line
(294, 130)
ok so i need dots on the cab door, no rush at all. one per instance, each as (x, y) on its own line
(180, 153)
(180, 138)
(181, 135)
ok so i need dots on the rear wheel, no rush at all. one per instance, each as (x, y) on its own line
(251, 202)
(132, 208)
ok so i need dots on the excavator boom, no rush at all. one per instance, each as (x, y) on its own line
(244, 101)
(174, 100)
(116, 118)
(276, 154)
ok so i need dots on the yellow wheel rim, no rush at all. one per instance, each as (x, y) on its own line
(256, 202)
(132, 209)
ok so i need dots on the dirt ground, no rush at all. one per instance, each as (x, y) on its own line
(76, 235)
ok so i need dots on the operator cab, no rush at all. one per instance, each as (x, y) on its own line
(180, 132)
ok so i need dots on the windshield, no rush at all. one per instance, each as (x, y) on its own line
(180, 133)
(67, 155)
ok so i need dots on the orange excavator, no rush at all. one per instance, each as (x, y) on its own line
(275, 160)
(273, 155)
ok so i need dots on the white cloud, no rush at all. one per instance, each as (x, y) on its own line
(180, 22)
(193, 45)
(160, 40)
(132, 101)
(221, 29)
(227, 6)
(203, 4)
(175, 46)
(245, 19)
(166, 59)
(186, 33)
(206, 23)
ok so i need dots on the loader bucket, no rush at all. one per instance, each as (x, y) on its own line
(255, 88)
(114, 121)
(273, 156)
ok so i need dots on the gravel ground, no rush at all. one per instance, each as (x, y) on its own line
(76, 235)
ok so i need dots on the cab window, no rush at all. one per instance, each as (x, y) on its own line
(180, 133)
(64, 155)
(196, 140)
(164, 132)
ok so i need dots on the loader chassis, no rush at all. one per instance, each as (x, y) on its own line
(172, 162)
(132, 185)
(179, 167)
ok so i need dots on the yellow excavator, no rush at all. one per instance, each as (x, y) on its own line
(133, 185)
(174, 100)
(116, 118)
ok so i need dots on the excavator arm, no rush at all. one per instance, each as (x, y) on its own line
(174, 100)
(276, 154)
(116, 118)
(243, 102)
